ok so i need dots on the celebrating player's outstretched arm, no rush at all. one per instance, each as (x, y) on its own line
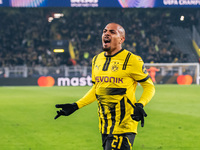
(68, 109)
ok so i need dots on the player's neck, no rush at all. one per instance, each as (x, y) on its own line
(113, 51)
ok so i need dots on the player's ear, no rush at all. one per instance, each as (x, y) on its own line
(122, 39)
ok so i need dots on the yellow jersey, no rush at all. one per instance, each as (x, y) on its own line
(115, 79)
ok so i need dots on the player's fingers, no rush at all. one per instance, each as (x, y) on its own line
(62, 112)
(143, 113)
(142, 121)
(58, 115)
(59, 105)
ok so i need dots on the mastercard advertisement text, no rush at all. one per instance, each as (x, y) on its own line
(49, 81)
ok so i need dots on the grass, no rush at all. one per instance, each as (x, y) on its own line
(26, 120)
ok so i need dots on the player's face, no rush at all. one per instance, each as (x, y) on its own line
(111, 38)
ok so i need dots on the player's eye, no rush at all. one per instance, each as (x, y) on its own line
(113, 32)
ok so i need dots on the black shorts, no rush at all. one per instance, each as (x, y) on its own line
(118, 141)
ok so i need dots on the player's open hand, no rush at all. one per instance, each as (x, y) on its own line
(139, 113)
(67, 109)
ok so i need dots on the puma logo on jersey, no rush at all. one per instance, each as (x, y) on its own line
(98, 66)
(108, 79)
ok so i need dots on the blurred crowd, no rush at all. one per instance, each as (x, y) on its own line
(27, 33)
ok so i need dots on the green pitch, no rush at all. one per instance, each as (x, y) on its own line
(26, 120)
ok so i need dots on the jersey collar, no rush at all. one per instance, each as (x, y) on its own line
(114, 54)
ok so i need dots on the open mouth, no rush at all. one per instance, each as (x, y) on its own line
(106, 40)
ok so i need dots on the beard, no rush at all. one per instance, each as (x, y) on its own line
(106, 49)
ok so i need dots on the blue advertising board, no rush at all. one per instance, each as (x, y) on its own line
(101, 3)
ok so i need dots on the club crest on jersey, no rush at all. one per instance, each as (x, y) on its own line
(115, 66)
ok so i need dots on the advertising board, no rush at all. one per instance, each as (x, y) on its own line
(101, 3)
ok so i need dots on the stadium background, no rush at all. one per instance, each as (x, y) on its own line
(31, 31)
(60, 42)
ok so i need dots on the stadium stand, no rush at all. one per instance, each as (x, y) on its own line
(154, 34)
(182, 37)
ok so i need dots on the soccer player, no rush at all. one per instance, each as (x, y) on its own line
(152, 72)
(115, 75)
